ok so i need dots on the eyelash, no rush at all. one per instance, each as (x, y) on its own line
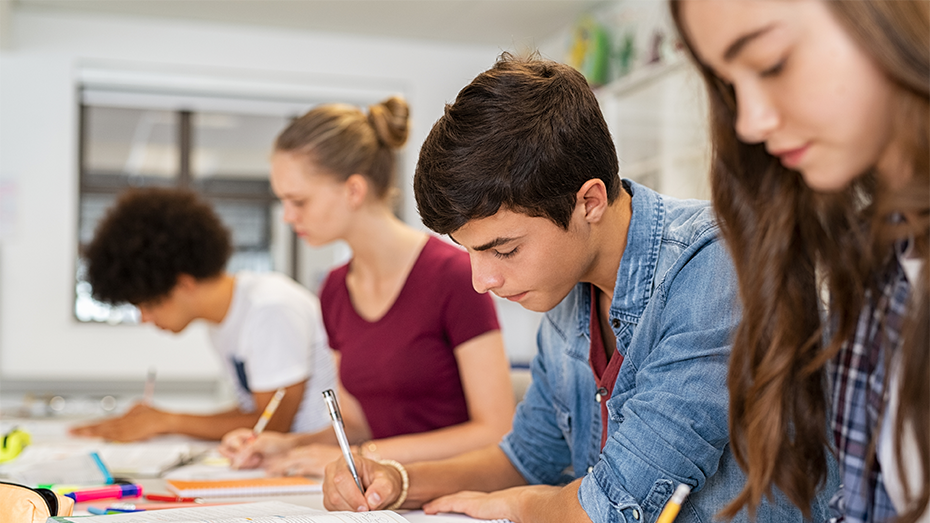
(774, 70)
(505, 255)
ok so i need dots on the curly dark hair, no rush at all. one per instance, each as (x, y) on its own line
(149, 238)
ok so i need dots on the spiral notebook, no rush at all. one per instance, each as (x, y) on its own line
(243, 487)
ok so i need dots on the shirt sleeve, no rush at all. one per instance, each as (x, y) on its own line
(672, 426)
(536, 446)
(278, 341)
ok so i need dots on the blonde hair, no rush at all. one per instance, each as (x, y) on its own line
(343, 140)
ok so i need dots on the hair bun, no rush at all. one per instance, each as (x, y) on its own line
(389, 119)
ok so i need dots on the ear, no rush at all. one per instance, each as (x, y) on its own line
(356, 187)
(186, 283)
(592, 198)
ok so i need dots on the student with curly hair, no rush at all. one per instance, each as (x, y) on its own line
(820, 117)
(164, 251)
(421, 360)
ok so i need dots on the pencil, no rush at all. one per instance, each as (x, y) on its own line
(674, 504)
(269, 412)
(149, 391)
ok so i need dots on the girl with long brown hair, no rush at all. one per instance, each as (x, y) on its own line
(819, 122)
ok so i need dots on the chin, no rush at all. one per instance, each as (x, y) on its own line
(539, 305)
(826, 181)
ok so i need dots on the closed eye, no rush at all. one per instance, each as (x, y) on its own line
(504, 255)
(774, 70)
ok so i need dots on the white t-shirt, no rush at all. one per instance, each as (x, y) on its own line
(273, 336)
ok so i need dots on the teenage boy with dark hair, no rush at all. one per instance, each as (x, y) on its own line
(165, 251)
(629, 395)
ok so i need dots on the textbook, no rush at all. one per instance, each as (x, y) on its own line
(266, 511)
(243, 487)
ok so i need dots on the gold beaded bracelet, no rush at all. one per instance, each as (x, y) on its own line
(369, 449)
(406, 482)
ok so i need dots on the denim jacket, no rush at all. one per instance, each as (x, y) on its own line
(674, 308)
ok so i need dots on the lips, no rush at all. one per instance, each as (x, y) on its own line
(791, 158)
(514, 297)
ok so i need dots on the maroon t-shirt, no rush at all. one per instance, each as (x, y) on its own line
(402, 368)
(605, 371)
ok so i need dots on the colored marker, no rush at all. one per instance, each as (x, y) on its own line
(674, 504)
(110, 510)
(109, 492)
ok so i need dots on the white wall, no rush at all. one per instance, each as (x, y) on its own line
(39, 338)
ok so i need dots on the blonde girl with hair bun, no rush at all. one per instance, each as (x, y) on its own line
(423, 373)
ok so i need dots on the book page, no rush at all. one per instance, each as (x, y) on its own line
(264, 512)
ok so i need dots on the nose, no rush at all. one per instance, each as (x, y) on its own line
(289, 214)
(145, 314)
(484, 276)
(756, 116)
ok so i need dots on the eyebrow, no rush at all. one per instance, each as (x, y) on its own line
(490, 245)
(737, 46)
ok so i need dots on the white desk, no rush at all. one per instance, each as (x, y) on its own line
(54, 432)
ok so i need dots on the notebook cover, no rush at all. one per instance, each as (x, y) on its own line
(243, 487)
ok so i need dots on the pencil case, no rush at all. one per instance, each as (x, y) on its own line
(22, 504)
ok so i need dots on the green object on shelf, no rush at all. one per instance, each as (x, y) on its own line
(13, 443)
(590, 50)
(625, 54)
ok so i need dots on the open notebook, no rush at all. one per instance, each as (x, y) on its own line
(264, 512)
(49, 463)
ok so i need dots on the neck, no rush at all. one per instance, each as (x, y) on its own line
(381, 243)
(609, 235)
(894, 168)
(215, 297)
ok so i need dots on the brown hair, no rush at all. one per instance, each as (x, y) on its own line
(525, 134)
(786, 240)
(343, 140)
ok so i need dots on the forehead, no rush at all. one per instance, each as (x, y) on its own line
(292, 172)
(713, 26)
(505, 224)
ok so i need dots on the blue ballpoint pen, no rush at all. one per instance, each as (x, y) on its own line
(330, 398)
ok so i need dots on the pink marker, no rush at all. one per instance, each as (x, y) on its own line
(129, 490)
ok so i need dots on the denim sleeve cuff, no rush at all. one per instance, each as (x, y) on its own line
(513, 454)
(593, 497)
(601, 509)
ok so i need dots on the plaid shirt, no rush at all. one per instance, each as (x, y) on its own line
(858, 377)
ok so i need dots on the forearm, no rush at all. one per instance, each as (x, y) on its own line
(439, 444)
(323, 437)
(483, 470)
(551, 505)
(211, 426)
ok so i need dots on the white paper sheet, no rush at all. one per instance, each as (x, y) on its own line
(263, 512)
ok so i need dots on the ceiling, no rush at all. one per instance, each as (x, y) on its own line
(502, 23)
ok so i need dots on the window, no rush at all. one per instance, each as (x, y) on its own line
(210, 131)
(222, 155)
